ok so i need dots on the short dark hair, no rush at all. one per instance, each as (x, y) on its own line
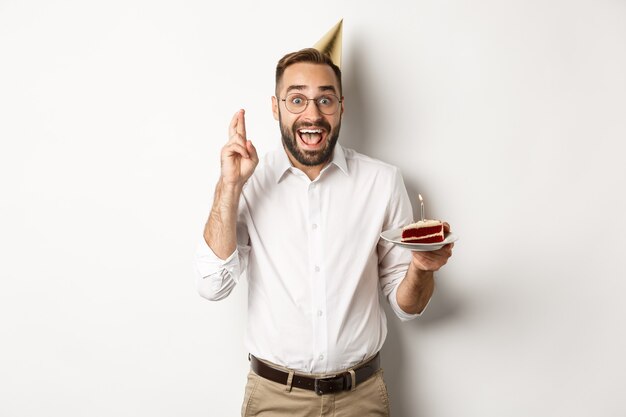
(311, 55)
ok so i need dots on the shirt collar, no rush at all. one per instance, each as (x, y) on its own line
(283, 164)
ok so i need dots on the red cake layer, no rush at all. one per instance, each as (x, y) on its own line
(422, 231)
(426, 231)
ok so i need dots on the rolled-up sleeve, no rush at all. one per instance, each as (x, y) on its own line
(216, 277)
(394, 261)
(393, 269)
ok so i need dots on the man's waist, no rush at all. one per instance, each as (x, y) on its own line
(299, 350)
(342, 380)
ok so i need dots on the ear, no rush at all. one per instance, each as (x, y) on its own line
(275, 107)
(343, 100)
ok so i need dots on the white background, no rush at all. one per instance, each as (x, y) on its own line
(507, 116)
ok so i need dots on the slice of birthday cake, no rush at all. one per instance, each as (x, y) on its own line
(423, 231)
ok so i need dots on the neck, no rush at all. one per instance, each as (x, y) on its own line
(311, 171)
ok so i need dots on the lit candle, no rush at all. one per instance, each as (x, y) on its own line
(422, 205)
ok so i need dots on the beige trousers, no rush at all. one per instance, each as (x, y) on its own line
(265, 398)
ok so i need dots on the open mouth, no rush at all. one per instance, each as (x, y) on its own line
(311, 138)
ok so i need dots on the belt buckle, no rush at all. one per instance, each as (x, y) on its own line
(329, 384)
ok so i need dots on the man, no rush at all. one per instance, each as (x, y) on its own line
(304, 226)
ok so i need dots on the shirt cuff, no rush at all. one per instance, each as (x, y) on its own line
(402, 315)
(208, 263)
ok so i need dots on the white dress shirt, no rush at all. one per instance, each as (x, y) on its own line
(312, 254)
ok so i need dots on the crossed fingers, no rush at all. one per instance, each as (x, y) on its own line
(237, 137)
(238, 125)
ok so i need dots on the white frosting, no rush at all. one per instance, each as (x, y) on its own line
(420, 223)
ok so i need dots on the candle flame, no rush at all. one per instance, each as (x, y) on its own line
(420, 196)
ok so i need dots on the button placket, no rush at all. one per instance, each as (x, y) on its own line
(318, 280)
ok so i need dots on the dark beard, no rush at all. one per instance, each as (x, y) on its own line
(309, 158)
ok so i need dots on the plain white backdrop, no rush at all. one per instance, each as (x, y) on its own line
(508, 116)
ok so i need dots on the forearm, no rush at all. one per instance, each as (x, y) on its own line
(220, 231)
(415, 290)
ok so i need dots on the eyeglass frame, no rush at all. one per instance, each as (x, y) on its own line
(339, 101)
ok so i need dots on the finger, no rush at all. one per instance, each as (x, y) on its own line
(435, 260)
(444, 252)
(236, 149)
(424, 257)
(434, 256)
(232, 128)
(426, 264)
(237, 139)
(241, 123)
(446, 227)
(447, 247)
(252, 151)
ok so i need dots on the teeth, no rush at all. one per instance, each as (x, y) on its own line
(310, 136)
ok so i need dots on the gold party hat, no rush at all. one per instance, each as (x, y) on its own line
(330, 43)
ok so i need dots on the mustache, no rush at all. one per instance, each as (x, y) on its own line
(302, 125)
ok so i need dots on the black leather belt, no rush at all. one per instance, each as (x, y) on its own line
(326, 385)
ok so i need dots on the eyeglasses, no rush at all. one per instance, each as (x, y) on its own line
(327, 104)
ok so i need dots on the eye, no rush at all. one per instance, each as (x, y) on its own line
(297, 100)
(325, 101)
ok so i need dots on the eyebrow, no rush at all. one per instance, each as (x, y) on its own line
(303, 87)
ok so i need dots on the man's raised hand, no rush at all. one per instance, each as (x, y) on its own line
(239, 157)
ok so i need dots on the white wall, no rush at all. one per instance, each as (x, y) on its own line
(509, 117)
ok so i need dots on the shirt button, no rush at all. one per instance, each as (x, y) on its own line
(317, 268)
(319, 312)
(314, 226)
(321, 357)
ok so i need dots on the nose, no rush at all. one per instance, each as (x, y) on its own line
(312, 111)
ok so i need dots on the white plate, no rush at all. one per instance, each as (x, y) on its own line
(395, 235)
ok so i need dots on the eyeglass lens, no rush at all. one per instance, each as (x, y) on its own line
(297, 103)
